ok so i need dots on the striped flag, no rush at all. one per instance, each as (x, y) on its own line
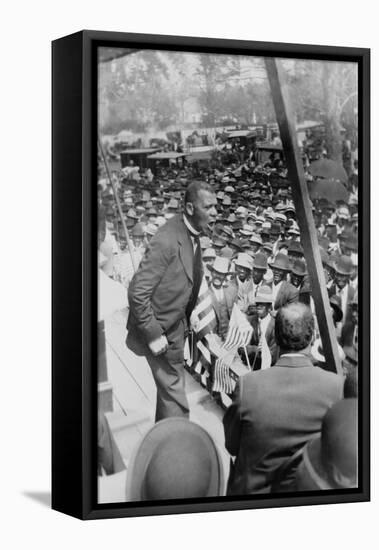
(222, 380)
(203, 322)
(239, 335)
(239, 331)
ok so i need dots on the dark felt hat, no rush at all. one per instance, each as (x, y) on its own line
(344, 265)
(175, 459)
(295, 247)
(260, 261)
(331, 460)
(281, 262)
(275, 229)
(299, 268)
(138, 230)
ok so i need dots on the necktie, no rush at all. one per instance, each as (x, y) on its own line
(197, 277)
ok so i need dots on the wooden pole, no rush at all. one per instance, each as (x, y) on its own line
(304, 214)
(130, 245)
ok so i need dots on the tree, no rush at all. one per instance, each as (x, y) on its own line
(134, 92)
(319, 90)
(213, 72)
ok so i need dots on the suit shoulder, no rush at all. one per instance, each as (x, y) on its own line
(331, 380)
(169, 232)
(252, 380)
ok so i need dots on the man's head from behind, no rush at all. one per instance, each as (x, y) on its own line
(294, 327)
(200, 205)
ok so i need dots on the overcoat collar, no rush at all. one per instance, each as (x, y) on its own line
(294, 360)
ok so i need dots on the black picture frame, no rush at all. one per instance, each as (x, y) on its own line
(74, 357)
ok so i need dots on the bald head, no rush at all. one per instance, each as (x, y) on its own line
(294, 326)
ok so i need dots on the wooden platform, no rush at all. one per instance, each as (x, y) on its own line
(134, 397)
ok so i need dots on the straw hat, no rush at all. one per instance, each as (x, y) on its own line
(209, 253)
(264, 295)
(244, 260)
(218, 242)
(151, 229)
(257, 239)
(221, 265)
(205, 242)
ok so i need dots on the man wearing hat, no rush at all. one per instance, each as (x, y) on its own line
(295, 251)
(209, 257)
(343, 267)
(259, 271)
(262, 350)
(150, 231)
(349, 332)
(330, 461)
(243, 281)
(275, 236)
(138, 240)
(218, 244)
(223, 297)
(131, 217)
(328, 266)
(300, 280)
(342, 216)
(283, 291)
(276, 411)
(255, 243)
(138, 235)
(163, 293)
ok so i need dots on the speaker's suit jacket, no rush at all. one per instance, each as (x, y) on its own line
(158, 296)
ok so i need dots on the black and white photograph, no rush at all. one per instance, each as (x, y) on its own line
(189, 297)
(228, 200)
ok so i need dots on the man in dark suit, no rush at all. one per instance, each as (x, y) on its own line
(163, 293)
(342, 288)
(223, 296)
(242, 282)
(283, 291)
(262, 350)
(276, 411)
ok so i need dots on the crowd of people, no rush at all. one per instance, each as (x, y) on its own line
(235, 226)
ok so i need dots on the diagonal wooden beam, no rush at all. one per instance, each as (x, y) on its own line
(303, 206)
